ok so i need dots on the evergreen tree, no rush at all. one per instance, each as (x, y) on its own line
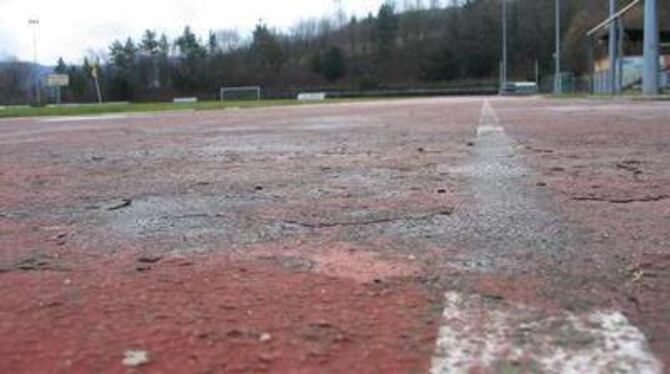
(61, 67)
(212, 43)
(386, 29)
(164, 45)
(333, 64)
(129, 52)
(265, 49)
(116, 54)
(192, 55)
(149, 44)
(189, 47)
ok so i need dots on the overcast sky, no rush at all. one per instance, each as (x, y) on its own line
(70, 28)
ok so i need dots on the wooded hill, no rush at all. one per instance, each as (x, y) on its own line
(411, 46)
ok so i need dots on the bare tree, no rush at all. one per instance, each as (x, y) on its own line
(228, 40)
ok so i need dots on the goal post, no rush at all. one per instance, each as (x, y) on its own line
(240, 93)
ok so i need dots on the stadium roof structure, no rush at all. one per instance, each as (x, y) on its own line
(636, 35)
(633, 23)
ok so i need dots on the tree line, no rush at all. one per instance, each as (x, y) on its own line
(409, 44)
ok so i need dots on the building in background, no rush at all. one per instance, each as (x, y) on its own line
(631, 60)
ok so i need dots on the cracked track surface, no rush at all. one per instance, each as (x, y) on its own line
(323, 238)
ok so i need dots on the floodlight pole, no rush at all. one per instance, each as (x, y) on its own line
(612, 40)
(651, 52)
(558, 84)
(35, 23)
(504, 47)
(591, 65)
(622, 55)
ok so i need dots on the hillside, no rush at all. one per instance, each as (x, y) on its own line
(456, 45)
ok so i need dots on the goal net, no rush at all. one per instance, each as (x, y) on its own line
(240, 93)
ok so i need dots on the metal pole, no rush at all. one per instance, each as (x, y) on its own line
(591, 65)
(500, 77)
(622, 55)
(612, 40)
(35, 23)
(504, 42)
(558, 84)
(651, 53)
(94, 72)
(97, 90)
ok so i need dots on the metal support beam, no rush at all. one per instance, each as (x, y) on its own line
(651, 52)
(622, 55)
(613, 18)
(613, 58)
(558, 81)
(592, 65)
(35, 23)
(504, 46)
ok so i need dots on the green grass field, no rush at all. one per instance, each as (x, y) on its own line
(88, 109)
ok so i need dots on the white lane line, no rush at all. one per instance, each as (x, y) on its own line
(102, 117)
(30, 135)
(488, 121)
(485, 335)
(481, 335)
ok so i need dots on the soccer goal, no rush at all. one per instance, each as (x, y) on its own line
(240, 93)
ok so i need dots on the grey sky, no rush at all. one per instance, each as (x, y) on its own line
(70, 28)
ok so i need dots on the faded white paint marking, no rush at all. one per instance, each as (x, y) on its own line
(493, 336)
(488, 121)
(484, 130)
(134, 358)
(104, 117)
(480, 334)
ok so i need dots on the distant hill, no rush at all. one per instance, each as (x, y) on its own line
(42, 69)
(425, 49)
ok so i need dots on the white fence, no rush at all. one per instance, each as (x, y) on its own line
(312, 96)
(185, 100)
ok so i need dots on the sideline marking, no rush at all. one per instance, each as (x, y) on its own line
(492, 336)
(481, 334)
(101, 117)
(488, 121)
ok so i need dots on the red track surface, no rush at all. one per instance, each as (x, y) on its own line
(310, 239)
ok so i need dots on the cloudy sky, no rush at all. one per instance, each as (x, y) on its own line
(70, 28)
